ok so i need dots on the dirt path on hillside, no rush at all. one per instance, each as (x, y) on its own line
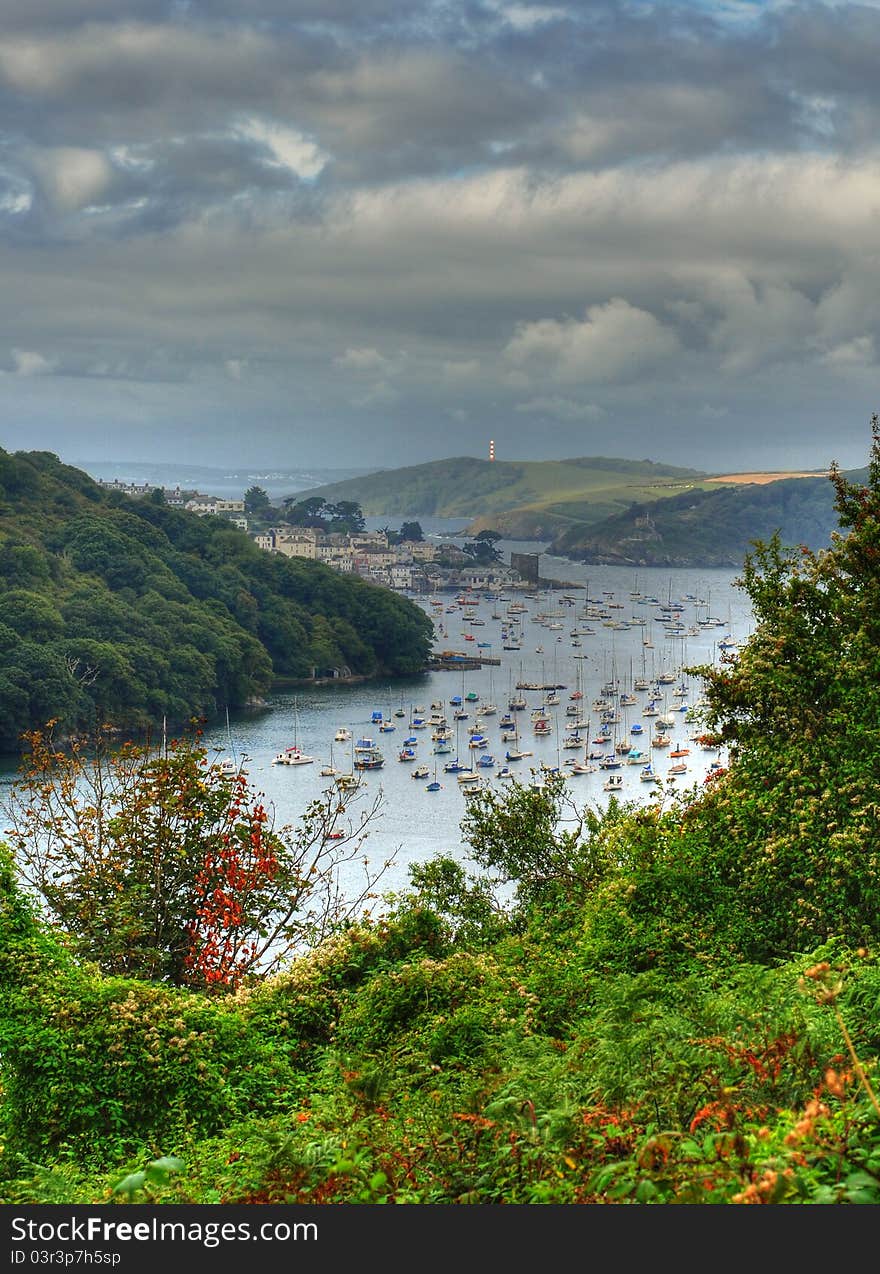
(761, 478)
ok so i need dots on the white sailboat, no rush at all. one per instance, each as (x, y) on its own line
(230, 765)
(516, 753)
(293, 755)
(328, 770)
(489, 709)
(584, 766)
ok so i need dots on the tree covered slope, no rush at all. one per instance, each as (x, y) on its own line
(126, 611)
(712, 528)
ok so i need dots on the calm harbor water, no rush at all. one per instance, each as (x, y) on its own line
(609, 632)
(611, 628)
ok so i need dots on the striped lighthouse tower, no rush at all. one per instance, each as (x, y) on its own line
(491, 448)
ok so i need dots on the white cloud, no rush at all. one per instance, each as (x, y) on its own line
(524, 17)
(16, 202)
(613, 342)
(762, 324)
(859, 352)
(289, 147)
(361, 360)
(30, 363)
(72, 176)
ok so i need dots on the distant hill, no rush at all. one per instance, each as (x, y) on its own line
(517, 497)
(710, 528)
(232, 481)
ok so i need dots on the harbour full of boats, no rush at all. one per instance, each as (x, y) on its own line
(590, 683)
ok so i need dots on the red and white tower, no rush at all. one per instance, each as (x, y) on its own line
(491, 448)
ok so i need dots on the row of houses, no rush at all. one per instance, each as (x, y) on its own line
(411, 566)
(179, 498)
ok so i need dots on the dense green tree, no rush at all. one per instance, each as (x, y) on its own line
(32, 615)
(796, 820)
(309, 512)
(23, 566)
(345, 516)
(482, 550)
(257, 502)
(43, 674)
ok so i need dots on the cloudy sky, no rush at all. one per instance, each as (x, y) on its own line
(377, 232)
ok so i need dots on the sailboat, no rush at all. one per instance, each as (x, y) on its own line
(516, 753)
(348, 780)
(489, 709)
(585, 766)
(229, 765)
(468, 779)
(329, 769)
(454, 766)
(293, 755)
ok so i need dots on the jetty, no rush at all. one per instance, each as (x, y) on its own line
(445, 659)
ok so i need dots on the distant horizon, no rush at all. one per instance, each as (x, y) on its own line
(281, 472)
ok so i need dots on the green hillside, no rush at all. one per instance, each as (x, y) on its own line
(124, 612)
(665, 1001)
(708, 527)
(466, 487)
